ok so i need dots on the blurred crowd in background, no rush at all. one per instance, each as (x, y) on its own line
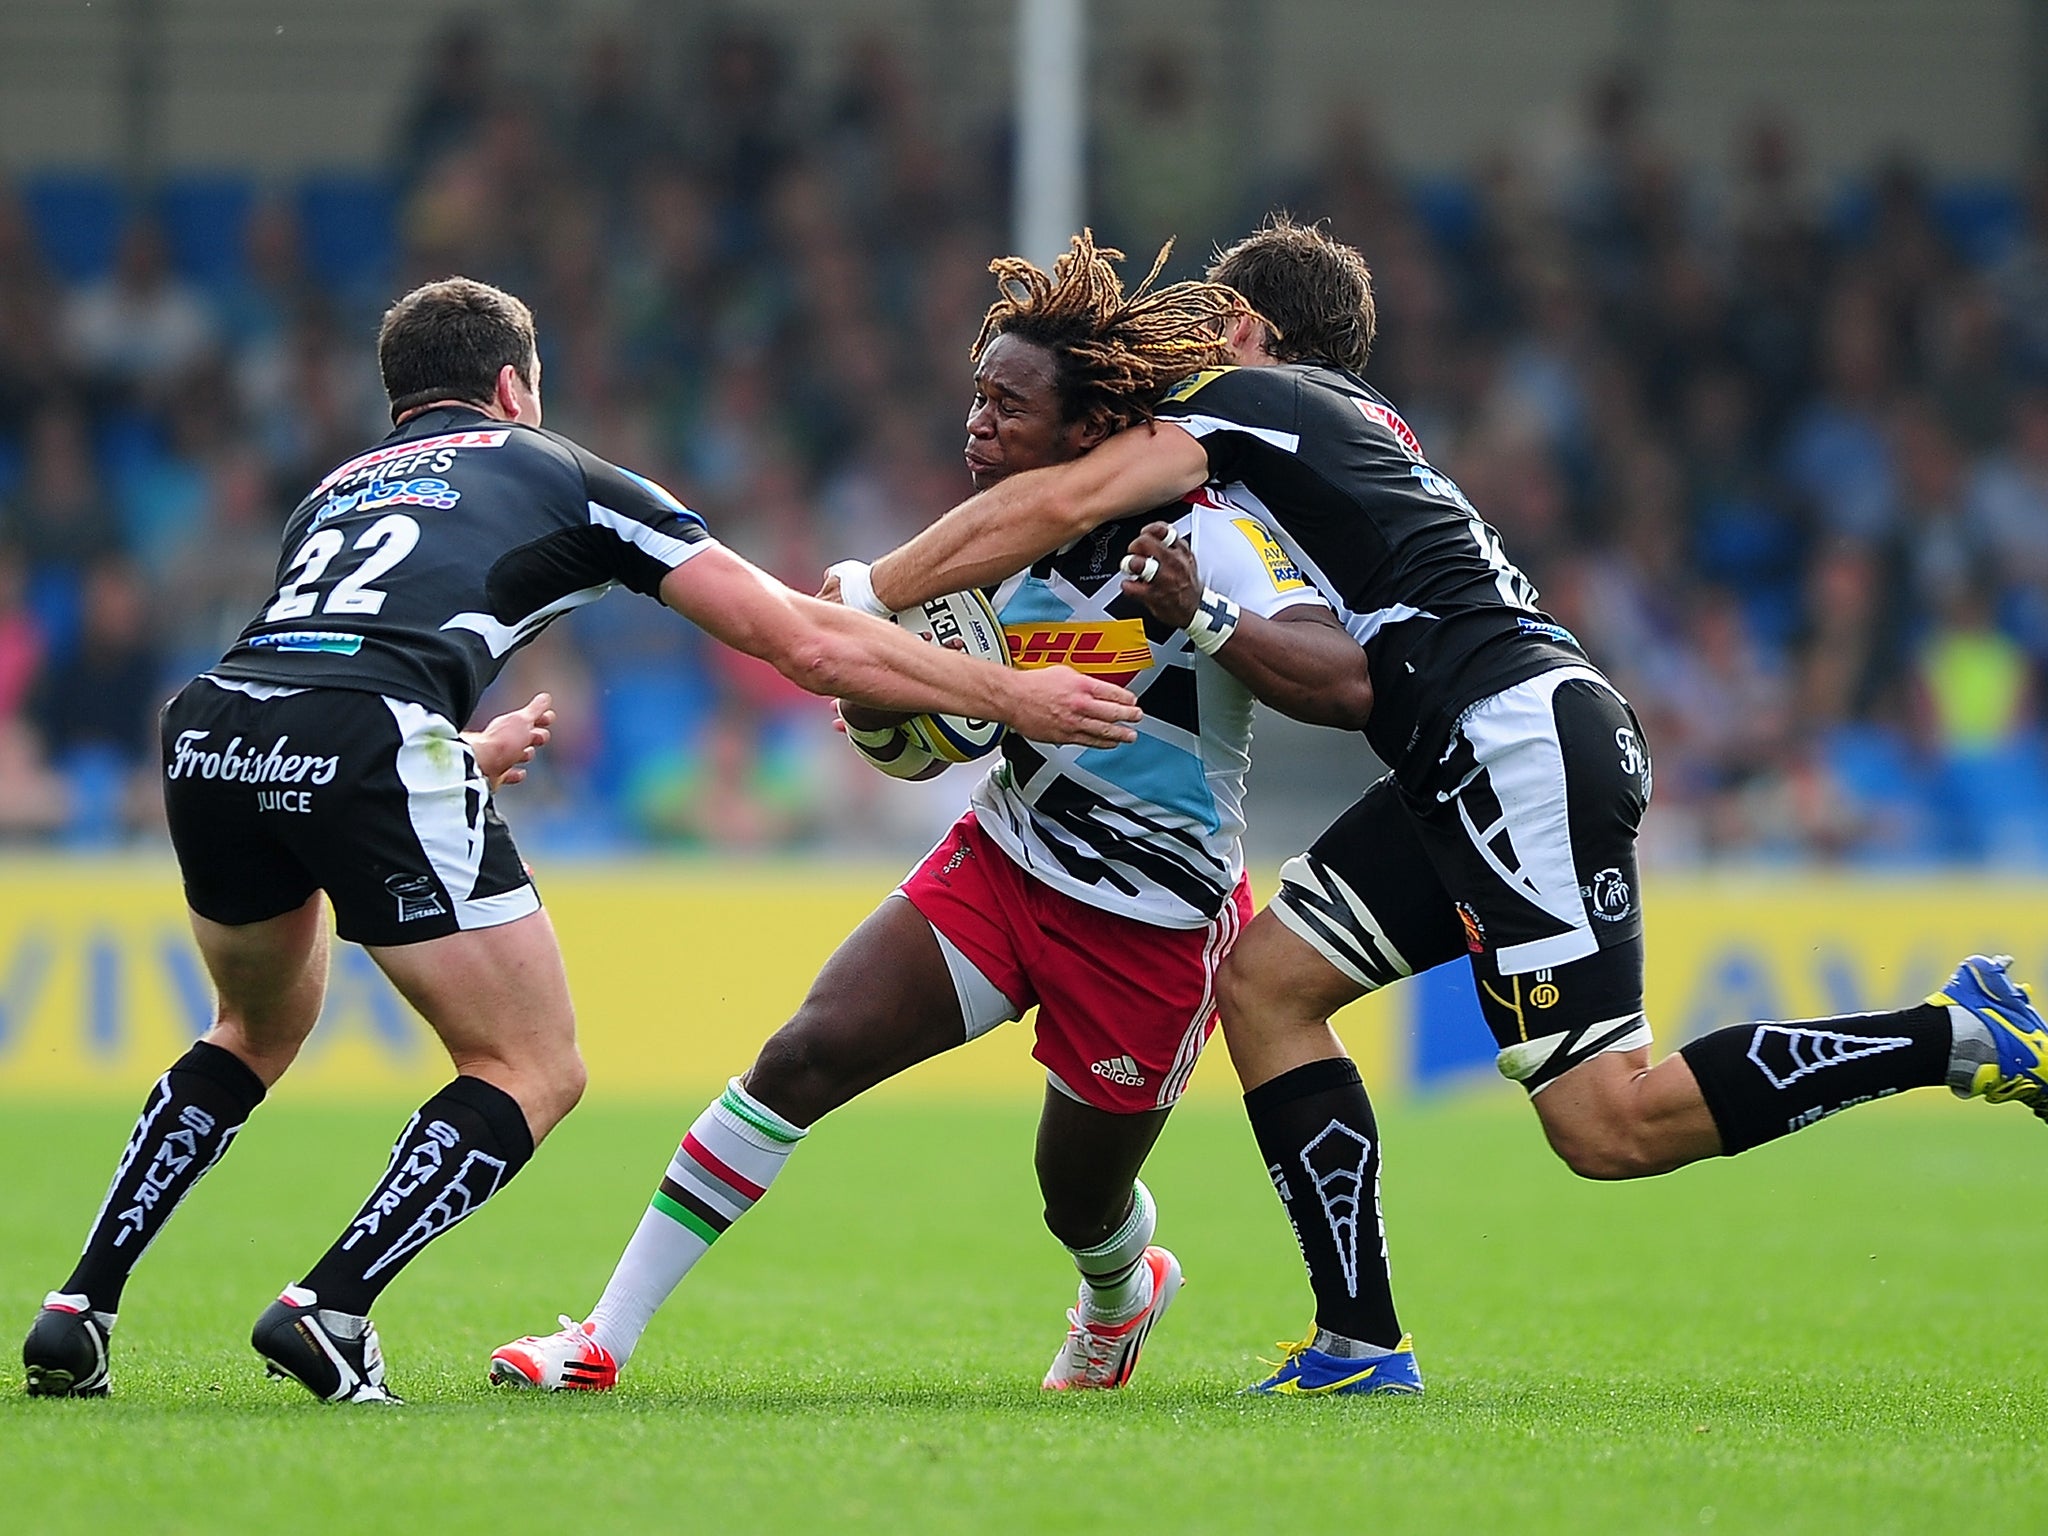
(1776, 450)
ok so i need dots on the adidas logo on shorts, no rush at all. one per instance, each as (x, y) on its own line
(1120, 1069)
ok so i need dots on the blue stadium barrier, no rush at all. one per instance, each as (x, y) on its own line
(350, 227)
(78, 218)
(53, 598)
(1450, 1038)
(1992, 806)
(1876, 770)
(1985, 219)
(206, 219)
(649, 715)
(1449, 208)
(1982, 219)
(99, 785)
(126, 442)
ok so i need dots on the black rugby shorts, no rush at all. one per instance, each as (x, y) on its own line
(1517, 852)
(275, 793)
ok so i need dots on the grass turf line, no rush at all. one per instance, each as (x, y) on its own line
(1827, 1335)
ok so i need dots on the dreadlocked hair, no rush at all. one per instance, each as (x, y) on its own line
(1116, 353)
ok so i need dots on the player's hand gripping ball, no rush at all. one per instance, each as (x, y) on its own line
(966, 621)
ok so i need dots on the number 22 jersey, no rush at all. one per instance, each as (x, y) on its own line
(415, 569)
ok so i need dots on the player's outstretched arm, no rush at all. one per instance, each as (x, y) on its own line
(1301, 661)
(1026, 516)
(833, 651)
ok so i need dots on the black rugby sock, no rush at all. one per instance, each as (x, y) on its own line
(1316, 1130)
(1763, 1081)
(192, 1114)
(462, 1147)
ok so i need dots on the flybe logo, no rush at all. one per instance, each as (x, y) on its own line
(1115, 649)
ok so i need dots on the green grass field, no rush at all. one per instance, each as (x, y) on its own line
(1836, 1334)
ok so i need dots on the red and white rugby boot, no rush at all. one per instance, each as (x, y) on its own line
(569, 1361)
(1101, 1356)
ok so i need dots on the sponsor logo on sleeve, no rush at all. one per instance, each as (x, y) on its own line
(1285, 574)
(1555, 632)
(1386, 417)
(1194, 383)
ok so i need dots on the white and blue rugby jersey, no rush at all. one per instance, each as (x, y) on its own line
(1151, 829)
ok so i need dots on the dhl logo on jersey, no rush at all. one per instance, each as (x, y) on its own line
(1193, 382)
(1113, 649)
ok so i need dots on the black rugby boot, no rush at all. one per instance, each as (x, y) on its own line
(67, 1348)
(331, 1354)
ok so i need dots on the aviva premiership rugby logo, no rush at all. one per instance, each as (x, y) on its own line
(1113, 649)
(1193, 382)
(1280, 566)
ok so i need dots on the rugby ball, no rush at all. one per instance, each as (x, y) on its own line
(969, 619)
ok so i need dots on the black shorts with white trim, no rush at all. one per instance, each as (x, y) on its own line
(1518, 852)
(273, 793)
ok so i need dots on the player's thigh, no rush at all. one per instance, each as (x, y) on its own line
(1531, 821)
(235, 854)
(1538, 849)
(885, 1001)
(1362, 908)
(270, 978)
(1086, 1159)
(1125, 1007)
(498, 1000)
(405, 838)
(1551, 1020)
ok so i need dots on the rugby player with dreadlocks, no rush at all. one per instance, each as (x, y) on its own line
(1103, 887)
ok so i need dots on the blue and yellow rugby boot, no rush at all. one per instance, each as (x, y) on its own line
(2016, 1067)
(1310, 1372)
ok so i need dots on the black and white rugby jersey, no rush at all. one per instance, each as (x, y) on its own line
(415, 569)
(1323, 460)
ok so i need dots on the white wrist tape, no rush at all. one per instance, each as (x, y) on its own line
(857, 587)
(1215, 621)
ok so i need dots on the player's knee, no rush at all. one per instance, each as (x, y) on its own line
(1606, 1150)
(267, 1054)
(798, 1074)
(1083, 1218)
(1254, 1003)
(571, 1078)
(550, 1087)
(1241, 995)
